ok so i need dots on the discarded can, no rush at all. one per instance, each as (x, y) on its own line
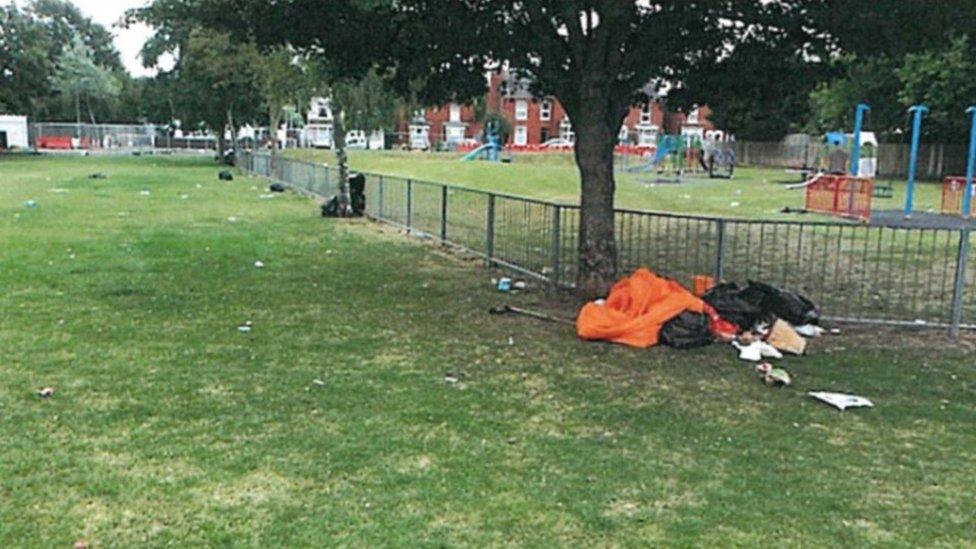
(505, 285)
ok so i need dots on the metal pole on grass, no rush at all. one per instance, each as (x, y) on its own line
(490, 230)
(967, 197)
(555, 246)
(959, 287)
(443, 213)
(409, 205)
(918, 112)
(862, 108)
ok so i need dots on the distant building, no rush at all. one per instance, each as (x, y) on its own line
(539, 121)
(319, 124)
(13, 132)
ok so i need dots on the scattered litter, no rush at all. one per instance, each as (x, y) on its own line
(452, 379)
(835, 331)
(225, 176)
(783, 337)
(774, 377)
(59, 190)
(199, 186)
(520, 285)
(755, 350)
(842, 401)
(259, 264)
(245, 328)
(318, 382)
(329, 252)
(276, 188)
(266, 196)
(46, 392)
(144, 193)
(505, 285)
(98, 175)
(511, 341)
(81, 544)
(734, 205)
(31, 203)
(232, 219)
(810, 330)
(184, 196)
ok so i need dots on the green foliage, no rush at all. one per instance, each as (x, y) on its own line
(25, 66)
(218, 81)
(366, 103)
(78, 77)
(871, 80)
(945, 80)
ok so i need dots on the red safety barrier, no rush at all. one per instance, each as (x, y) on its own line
(953, 190)
(841, 196)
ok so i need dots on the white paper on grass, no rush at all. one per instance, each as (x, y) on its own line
(842, 401)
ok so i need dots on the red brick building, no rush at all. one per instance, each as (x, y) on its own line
(537, 121)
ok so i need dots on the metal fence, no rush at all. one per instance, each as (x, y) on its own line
(92, 137)
(855, 273)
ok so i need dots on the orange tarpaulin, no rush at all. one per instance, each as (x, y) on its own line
(636, 310)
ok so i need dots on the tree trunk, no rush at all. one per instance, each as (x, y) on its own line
(274, 117)
(339, 142)
(595, 137)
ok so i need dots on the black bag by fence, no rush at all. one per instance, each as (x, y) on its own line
(737, 304)
(686, 331)
(791, 307)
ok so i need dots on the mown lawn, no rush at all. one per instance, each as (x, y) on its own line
(332, 423)
(754, 193)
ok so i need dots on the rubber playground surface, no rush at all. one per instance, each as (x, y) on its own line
(920, 220)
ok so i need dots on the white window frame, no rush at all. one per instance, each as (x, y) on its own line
(521, 109)
(455, 113)
(521, 136)
(545, 111)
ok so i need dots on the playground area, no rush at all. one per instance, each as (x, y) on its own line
(753, 193)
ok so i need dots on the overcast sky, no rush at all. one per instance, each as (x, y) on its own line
(128, 41)
(108, 13)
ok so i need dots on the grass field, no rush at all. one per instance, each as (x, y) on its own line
(331, 423)
(755, 193)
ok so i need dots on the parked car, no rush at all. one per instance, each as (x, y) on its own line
(558, 143)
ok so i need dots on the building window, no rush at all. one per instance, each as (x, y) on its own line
(624, 135)
(646, 114)
(566, 131)
(545, 111)
(455, 115)
(545, 135)
(521, 135)
(521, 110)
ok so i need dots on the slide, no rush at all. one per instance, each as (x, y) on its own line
(473, 155)
(663, 149)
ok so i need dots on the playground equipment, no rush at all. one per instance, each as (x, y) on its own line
(918, 111)
(840, 195)
(491, 150)
(957, 192)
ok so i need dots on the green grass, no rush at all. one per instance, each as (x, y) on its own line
(756, 192)
(170, 427)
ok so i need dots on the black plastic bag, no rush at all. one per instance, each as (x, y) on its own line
(277, 188)
(740, 305)
(791, 307)
(686, 331)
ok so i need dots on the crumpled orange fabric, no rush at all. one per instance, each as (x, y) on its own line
(636, 310)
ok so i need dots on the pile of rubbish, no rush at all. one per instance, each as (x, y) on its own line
(759, 320)
(357, 197)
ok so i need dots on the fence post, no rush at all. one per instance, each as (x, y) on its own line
(379, 196)
(555, 246)
(959, 287)
(443, 213)
(490, 231)
(720, 252)
(409, 206)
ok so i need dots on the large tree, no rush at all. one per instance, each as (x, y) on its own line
(594, 56)
(82, 81)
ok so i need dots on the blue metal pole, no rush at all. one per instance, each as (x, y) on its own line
(967, 197)
(858, 126)
(919, 111)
